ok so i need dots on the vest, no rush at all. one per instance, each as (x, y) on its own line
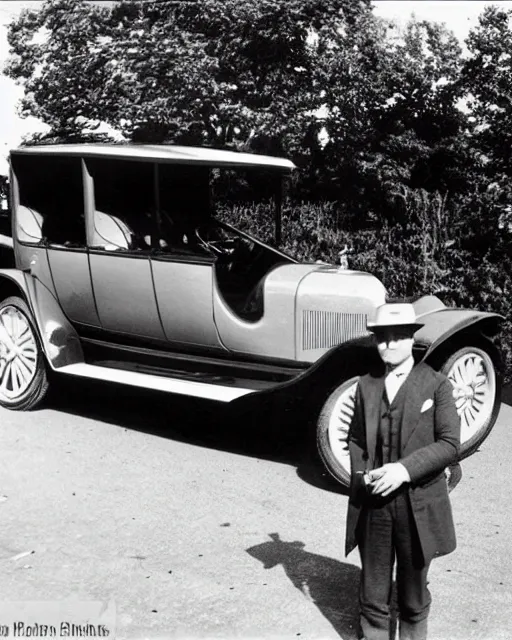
(388, 436)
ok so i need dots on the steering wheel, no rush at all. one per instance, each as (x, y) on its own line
(218, 247)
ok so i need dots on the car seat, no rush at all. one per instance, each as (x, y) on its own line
(29, 225)
(111, 232)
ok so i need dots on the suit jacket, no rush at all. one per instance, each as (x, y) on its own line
(430, 441)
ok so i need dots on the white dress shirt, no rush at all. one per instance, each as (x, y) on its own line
(396, 377)
(393, 381)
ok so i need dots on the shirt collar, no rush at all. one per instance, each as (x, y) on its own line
(404, 368)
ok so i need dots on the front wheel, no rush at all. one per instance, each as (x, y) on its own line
(23, 379)
(332, 430)
(471, 371)
(476, 391)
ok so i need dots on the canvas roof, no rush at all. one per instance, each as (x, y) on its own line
(204, 156)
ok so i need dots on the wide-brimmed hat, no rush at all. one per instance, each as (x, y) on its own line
(394, 314)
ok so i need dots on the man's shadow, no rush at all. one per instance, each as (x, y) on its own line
(331, 585)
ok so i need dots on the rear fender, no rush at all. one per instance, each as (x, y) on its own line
(59, 339)
(13, 283)
(7, 260)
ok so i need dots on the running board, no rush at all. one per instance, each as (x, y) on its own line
(205, 390)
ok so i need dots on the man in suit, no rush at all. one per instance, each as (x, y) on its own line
(404, 433)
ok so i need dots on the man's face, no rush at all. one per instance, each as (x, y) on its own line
(394, 344)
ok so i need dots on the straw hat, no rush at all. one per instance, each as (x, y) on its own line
(394, 315)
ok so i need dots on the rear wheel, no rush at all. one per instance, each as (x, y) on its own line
(23, 379)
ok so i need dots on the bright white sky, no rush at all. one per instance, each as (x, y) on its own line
(458, 15)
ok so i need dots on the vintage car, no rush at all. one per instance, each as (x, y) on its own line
(122, 271)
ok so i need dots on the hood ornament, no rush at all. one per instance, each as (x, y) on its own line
(343, 257)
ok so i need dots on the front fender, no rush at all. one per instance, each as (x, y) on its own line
(298, 400)
(446, 325)
(308, 389)
(360, 356)
(443, 327)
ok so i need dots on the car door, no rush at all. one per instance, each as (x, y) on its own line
(50, 228)
(183, 286)
(120, 234)
(182, 266)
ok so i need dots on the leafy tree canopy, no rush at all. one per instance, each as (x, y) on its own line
(231, 72)
(268, 76)
(487, 81)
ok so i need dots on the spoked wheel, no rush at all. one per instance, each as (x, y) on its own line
(332, 430)
(472, 373)
(23, 380)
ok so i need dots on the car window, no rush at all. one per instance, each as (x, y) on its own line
(124, 204)
(183, 194)
(131, 214)
(50, 200)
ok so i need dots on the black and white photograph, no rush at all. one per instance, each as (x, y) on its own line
(256, 319)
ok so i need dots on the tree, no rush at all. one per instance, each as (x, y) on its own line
(487, 81)
(485, 203)
(234, 73)
(391, 110)
(60, 55)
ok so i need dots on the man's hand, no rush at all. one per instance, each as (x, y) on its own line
(388, 478)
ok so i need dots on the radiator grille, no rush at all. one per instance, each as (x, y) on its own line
(324, 329)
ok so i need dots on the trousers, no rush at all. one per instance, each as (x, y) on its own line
(387, 534)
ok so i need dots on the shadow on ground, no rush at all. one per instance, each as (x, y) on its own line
(331, 585)
(248, 428)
